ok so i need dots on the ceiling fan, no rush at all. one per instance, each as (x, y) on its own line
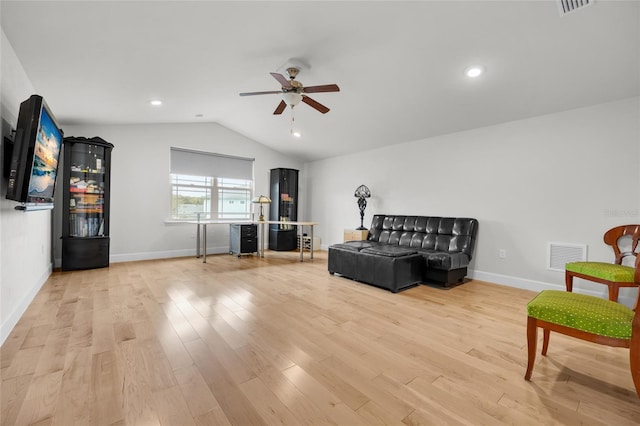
(293, 92)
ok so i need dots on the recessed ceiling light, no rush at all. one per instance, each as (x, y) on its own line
(474, 71)
(296, 134)
(155, 102)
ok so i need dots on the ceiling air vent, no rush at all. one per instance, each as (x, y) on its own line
(559, 254)
(568, 6)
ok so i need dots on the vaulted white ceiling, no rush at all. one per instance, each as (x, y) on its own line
(399, 65)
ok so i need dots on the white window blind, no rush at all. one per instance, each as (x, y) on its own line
(199, 163)
(210, 186)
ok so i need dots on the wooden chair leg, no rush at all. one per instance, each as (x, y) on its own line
(532, 341)
(634, 355)
(634, 358)
(568, 281)
(613, 292)
(545, 340)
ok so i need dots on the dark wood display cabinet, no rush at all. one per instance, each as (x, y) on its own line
(283, 207)
(86, 194)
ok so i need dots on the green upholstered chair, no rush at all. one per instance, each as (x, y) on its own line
(588, 318)
(614, 275)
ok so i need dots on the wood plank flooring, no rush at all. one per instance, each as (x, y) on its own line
(274, 341)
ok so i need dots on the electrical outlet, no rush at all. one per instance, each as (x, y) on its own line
(502, 254)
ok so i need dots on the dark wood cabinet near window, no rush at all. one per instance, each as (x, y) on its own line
(86, 194)
(283, 207)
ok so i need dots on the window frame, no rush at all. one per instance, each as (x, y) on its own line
(214, 189)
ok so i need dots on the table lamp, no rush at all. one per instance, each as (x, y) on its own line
(261, 199)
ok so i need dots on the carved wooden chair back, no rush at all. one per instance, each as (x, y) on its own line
(613, 237)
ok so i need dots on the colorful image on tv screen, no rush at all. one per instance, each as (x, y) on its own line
(45, 160)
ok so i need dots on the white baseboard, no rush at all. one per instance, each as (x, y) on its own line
(151, 255)
(516, 282)
(538, 286)
(166, 254)
(10, 322)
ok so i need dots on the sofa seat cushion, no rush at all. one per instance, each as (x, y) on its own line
(354, 245)
(389, 251)
(444, 260)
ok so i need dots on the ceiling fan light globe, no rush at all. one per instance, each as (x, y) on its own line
(292, 98)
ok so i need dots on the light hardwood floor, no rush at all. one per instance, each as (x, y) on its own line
(274, 341)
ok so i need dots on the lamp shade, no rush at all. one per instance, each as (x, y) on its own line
(362, 192)
(261, 199)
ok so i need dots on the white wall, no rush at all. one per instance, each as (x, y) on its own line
(25, 238)
(140, 185)
(565, 177)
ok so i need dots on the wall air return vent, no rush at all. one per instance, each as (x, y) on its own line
(568, 6)
(560, 254)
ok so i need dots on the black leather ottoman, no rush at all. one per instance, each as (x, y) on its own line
(390, 267)
(342, 258)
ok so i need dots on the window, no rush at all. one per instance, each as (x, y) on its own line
(229, 191)
(216, 186)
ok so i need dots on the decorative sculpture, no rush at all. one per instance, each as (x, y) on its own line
(362, 193)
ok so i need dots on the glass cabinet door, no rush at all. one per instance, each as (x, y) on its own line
(87, 191)
(283, 208)
(288, 192)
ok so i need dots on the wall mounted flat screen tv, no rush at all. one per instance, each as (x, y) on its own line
(36, 150)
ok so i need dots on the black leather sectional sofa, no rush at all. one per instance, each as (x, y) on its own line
(402, 251)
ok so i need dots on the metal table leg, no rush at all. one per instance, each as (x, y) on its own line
(204, 240)
(198, 242)
(311, 245)
(301, 241)
(262, 240)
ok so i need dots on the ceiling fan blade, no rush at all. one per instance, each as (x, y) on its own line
(280, 108)
(323, 88)
(282, 80)
(315, 104)
(272, 92)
